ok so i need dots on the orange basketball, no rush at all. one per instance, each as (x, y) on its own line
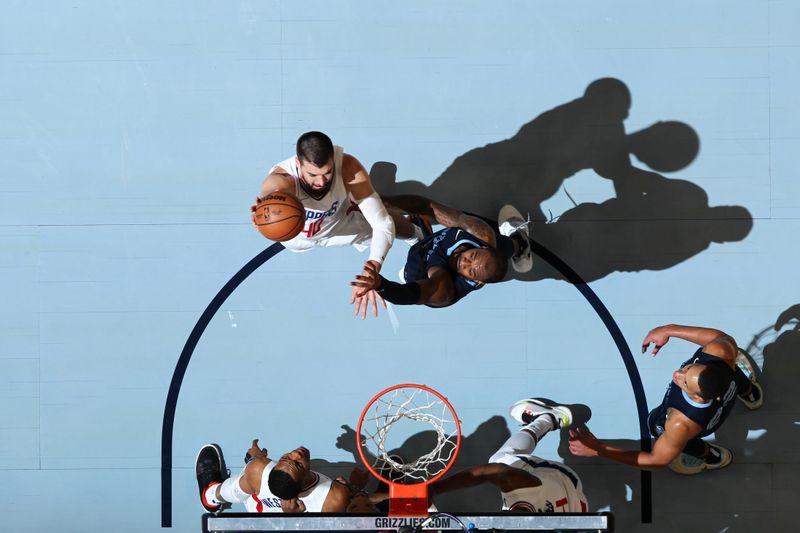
(279, 216)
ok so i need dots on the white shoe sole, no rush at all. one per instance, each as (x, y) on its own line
(507, 212)
(536, 407)
(679, 467)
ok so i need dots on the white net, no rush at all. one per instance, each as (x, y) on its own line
(417, 411)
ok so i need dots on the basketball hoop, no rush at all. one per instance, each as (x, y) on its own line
(416, 408)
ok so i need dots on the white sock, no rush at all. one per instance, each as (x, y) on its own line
(524, 441)
(211, 495)
(539, 427)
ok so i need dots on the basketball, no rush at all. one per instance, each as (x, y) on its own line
(279, 216)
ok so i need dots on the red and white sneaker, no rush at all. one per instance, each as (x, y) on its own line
(210, 468)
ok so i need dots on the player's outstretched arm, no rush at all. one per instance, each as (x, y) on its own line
(505, 477)
(444, 215)
(698, 335)
(256, 451)
(438, 290)
(358, 184)
(279, 180)
(363, 293)
(667, 447)
(453, 218)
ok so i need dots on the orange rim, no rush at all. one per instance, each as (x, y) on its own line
(449, 464)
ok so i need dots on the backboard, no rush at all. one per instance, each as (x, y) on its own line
(468, 522)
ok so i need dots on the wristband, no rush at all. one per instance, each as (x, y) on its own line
(399, 293)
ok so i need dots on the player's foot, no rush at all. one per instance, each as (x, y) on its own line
(754, 398)
(211, 470)
(512, 224)
(717, 457)
(526, 411)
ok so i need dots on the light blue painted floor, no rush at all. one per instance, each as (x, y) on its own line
(134, 137)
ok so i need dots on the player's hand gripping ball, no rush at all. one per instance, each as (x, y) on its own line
(279, 216)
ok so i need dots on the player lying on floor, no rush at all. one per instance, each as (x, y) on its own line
(265, 486)
(527, 483)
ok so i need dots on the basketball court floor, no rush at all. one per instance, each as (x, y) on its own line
(134, 137)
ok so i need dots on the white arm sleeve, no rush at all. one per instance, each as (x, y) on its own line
(382, 226)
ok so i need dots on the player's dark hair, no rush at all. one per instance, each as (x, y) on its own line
(283, 485)
(714, 380)
(499, 262)
(314, 147)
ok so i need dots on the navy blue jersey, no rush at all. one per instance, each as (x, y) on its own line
(435, 251)
(708, 415)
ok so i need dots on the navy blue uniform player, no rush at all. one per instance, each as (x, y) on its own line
(449, 264)
(697, 402)
(437, 250)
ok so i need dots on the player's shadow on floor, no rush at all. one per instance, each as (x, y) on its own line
(652, 223)
(758, 439)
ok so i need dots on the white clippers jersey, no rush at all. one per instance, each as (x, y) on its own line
(323, 215)
(561, 490)
(312, 496)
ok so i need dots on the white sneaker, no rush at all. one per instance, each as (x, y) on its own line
(688, 465)
(755, 398)
(743, 362)
(524, 411)
(510, 221)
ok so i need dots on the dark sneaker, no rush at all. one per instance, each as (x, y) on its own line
(754, 398)
(717, 457)
(210, 468)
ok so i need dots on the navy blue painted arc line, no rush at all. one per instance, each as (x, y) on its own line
(627, 358)
(180, 371)
(253, 264)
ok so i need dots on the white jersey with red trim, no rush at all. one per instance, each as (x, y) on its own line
(561, 490)
(313, 495)
(326, 217)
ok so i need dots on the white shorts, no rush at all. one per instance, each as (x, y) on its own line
(352, 230)
(558, 480)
